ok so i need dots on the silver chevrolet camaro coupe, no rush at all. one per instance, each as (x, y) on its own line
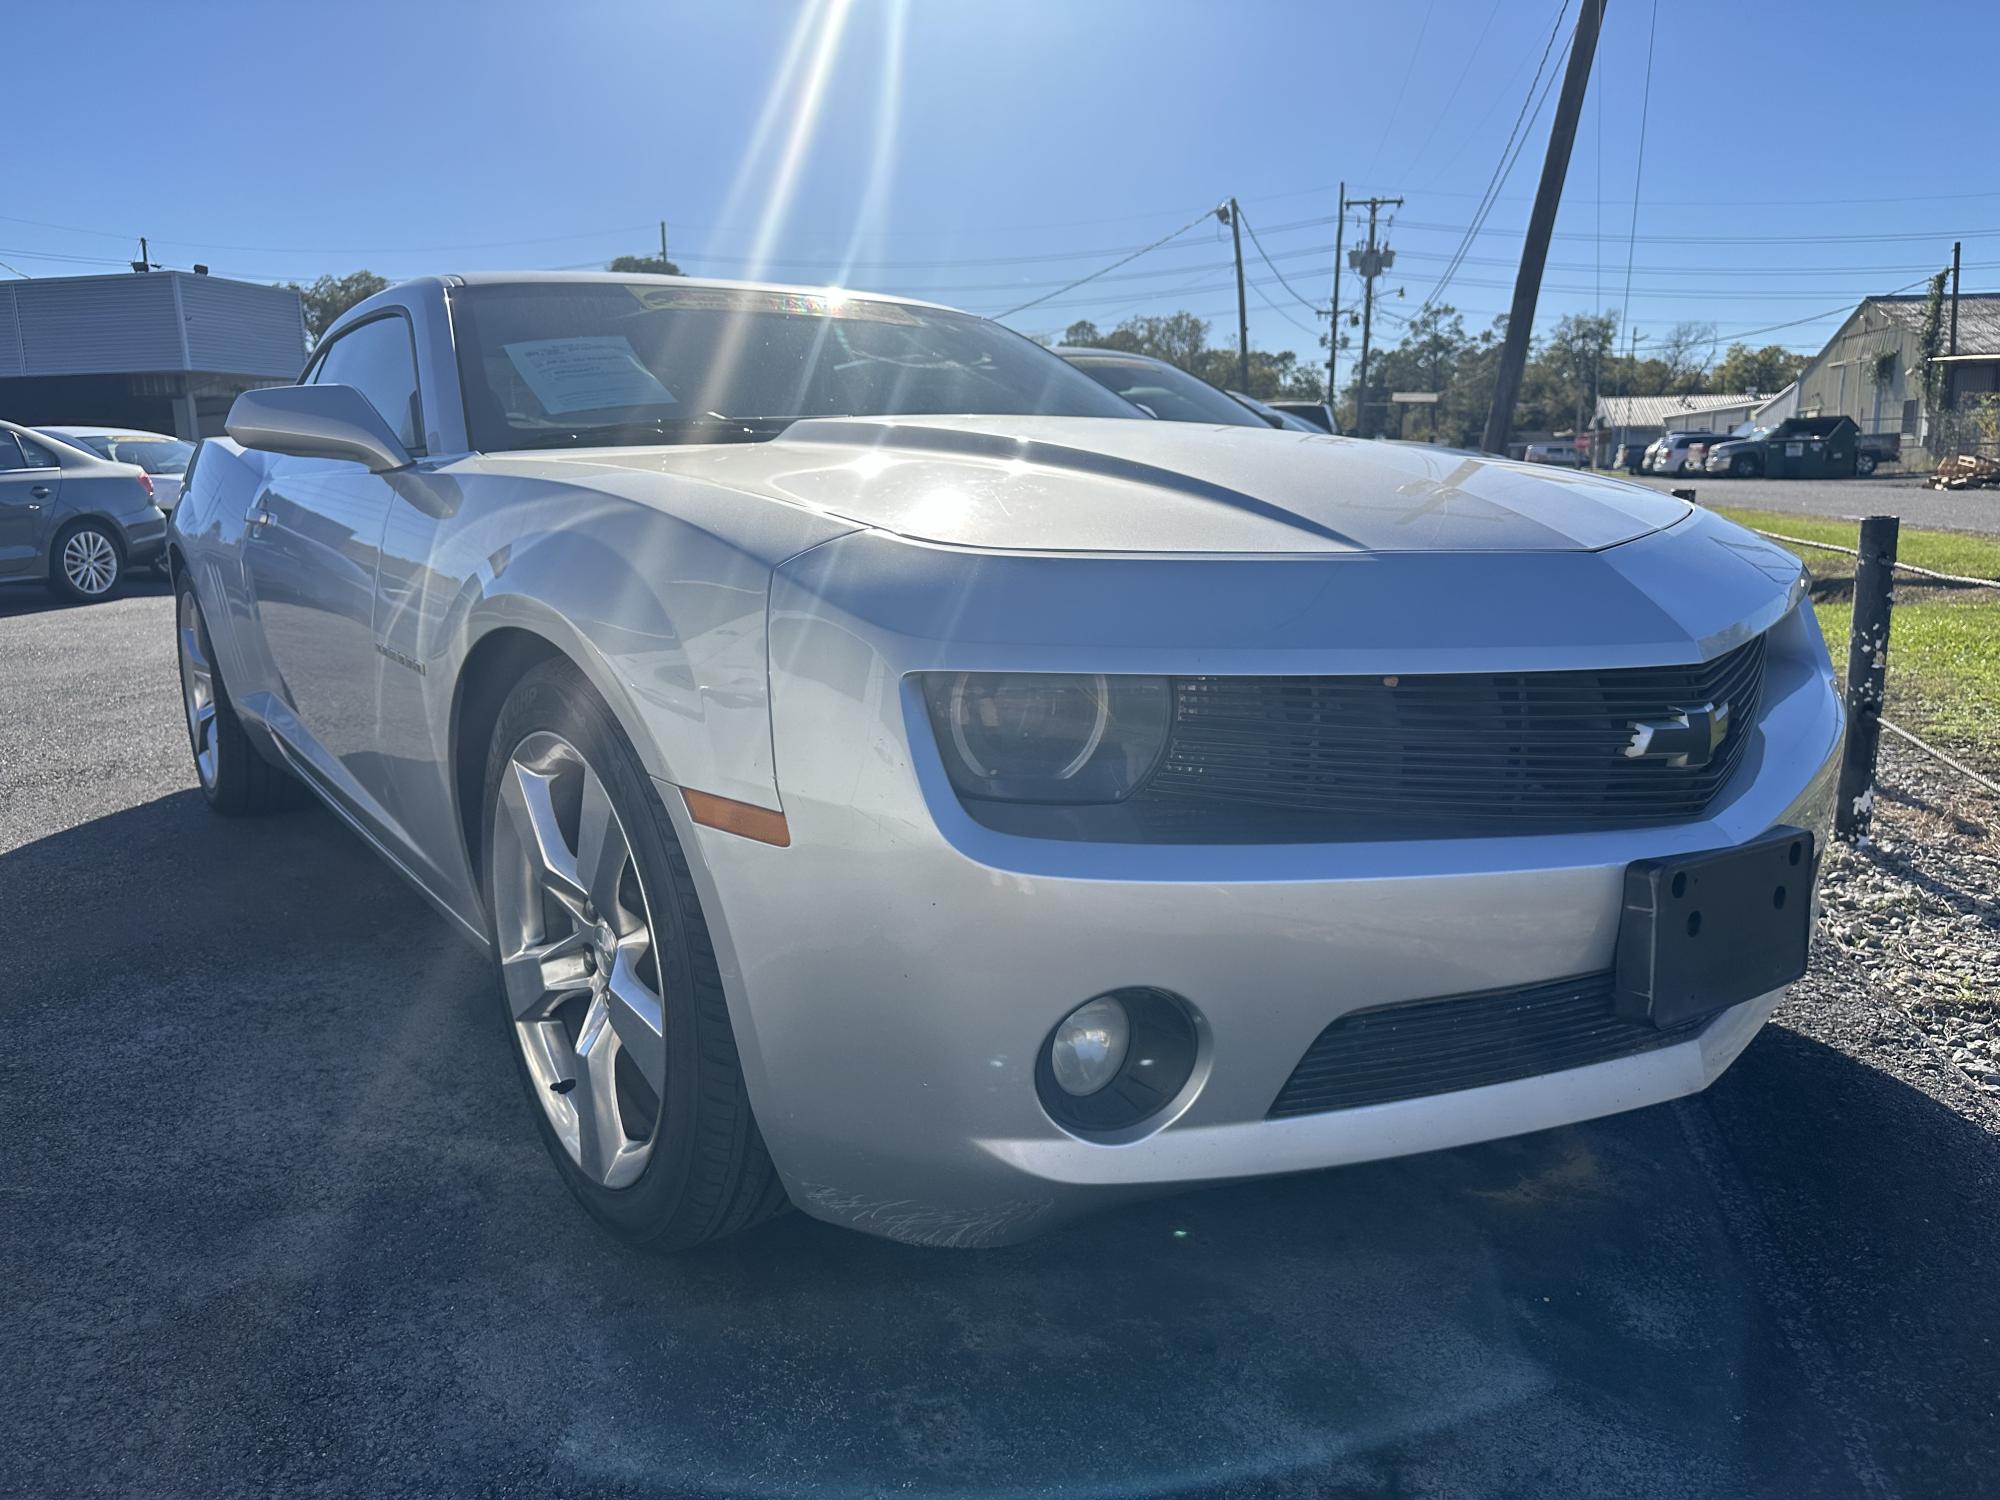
(893, 775)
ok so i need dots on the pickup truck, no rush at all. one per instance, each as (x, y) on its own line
(1804, 448)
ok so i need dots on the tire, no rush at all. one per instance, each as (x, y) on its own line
(1743, 466)
(1864, 464)
(235, 778)
(87, 562)
(680, 1163)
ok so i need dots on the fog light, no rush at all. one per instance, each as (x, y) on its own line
(1117, 1060)
(1089, 1048)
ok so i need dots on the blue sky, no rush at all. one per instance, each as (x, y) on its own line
(985, 153)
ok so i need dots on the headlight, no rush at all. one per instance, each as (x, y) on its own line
(1047, 737)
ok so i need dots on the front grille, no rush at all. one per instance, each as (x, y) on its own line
(1424, 1047)
(1374, 757)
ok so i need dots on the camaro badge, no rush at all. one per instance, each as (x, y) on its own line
(1690, 738)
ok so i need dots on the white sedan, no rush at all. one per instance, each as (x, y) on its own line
(892, 776)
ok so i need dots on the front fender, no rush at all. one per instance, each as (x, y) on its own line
(664, 618)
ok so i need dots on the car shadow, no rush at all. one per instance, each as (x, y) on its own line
(34, 598)
(282, 1213)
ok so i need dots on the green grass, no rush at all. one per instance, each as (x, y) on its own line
(1944, 643)
(1940, 551)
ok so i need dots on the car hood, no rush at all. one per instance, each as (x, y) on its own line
(1078, 484)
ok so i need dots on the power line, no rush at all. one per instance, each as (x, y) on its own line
(1281, 312)
(1438, 115)
(1037, 301)
(1307, 302)
(1639, 167)
(1402, 90)
(1509, 154)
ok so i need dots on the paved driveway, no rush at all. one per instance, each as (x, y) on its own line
(275, 1220)
(1905, 496)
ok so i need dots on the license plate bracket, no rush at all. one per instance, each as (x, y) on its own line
(1702, 932)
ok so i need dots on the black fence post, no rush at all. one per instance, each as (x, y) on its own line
(1687, 495)
(1867, 665)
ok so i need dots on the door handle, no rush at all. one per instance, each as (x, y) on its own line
(40, 492)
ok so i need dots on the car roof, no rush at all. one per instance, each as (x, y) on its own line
(1068, 351)
(622, 278)
(68, 429)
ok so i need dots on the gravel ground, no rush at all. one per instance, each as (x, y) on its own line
(274, 1221)
(1903, 495)
(1914, 913)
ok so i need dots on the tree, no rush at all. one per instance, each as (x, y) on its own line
(1687, 351)
(1178, 338)
(1182, 339)
(644, 265)
(1764, 371)
(1567, 374)
(330, 296)
(1435, 354)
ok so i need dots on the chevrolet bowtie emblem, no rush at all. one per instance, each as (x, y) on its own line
(1690, 738)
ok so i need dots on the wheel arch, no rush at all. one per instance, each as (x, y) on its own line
(503, 649)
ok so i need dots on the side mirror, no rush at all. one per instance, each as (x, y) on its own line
(316, 421)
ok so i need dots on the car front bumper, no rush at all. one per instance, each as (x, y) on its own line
(895, 972)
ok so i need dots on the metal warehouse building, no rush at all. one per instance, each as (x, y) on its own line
(1872, 370)
(165, 351)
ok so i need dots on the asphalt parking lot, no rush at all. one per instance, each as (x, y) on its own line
(1884, 495)
(274, 1219)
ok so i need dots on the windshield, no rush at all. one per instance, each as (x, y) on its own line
(577, 364)
(1168, 392)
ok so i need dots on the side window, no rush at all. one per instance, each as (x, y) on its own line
(10, 453)
(377, 359)
(36, 455)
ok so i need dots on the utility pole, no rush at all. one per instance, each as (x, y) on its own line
(1235, 221)
(1371, 262)
(664, 262)
(1954, 296)
(1333, 323)
(1541, 224)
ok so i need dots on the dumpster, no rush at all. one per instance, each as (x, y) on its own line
(1812, 448)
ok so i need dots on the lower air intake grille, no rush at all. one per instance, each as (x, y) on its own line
(1425, 1047)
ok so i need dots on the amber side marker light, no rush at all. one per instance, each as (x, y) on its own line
(739, 818)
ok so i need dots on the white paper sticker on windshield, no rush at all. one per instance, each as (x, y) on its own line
(586, 374)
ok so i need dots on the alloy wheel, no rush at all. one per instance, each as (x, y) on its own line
(197, 688)
(578, 960)
(90, 562)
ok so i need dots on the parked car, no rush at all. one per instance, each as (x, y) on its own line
(164, 458)
(73, 520)
(1797, 448)
(1272, 416)
(1316, 412)
(1160, 389)
(1669, 455)
(1631, 457)
(888, 777)
(1559, 451)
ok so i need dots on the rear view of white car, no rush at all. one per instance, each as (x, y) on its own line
(164, 458)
